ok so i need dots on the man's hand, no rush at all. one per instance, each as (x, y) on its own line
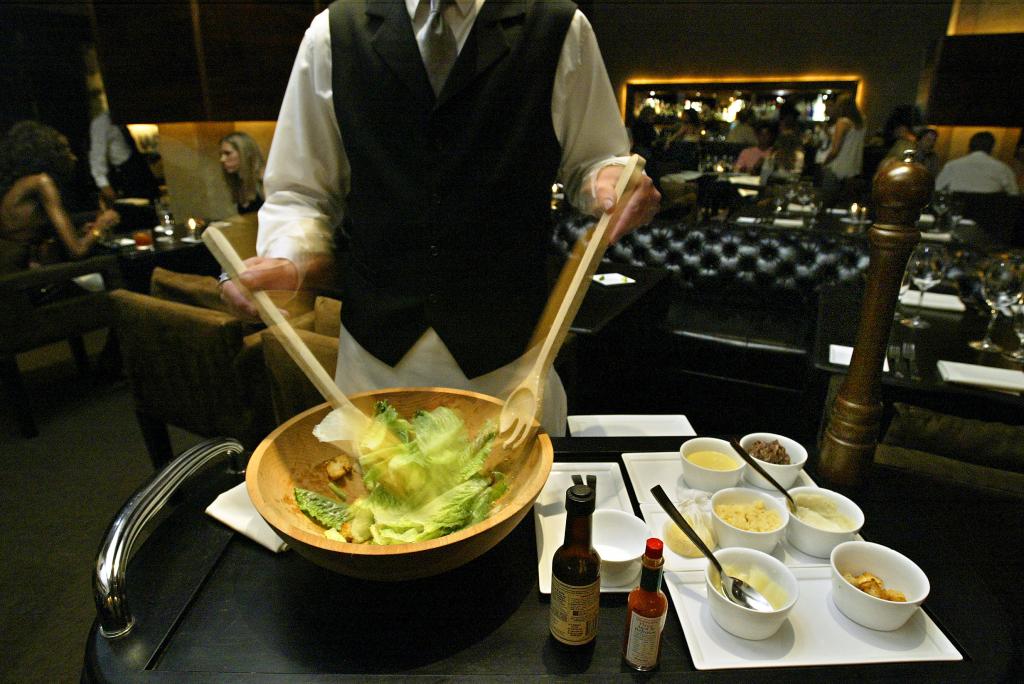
(642, 207)
(260, 274)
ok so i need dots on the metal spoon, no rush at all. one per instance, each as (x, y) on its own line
(752, 462)
(736, 590)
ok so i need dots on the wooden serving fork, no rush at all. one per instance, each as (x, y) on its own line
(523, 407)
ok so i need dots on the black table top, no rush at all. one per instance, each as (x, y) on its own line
(604, 303)
(213, 606)
(946, 339)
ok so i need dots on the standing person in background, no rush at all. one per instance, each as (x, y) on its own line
(242, 163)
(644, 133)
(414, 123)
(1017, 163)
(742, 133)
(117, 166)
(845, 156)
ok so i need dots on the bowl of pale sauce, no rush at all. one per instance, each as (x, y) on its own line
(710, 464)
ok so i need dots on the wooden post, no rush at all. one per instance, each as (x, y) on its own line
(899, 191)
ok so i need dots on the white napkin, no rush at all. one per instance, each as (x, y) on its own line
(926, 218)
(933, 300)
(838, 211)
(936, 237)
(841, 355)
(788, 223)
(982, 376)
(799, 209)
(746, 219)
(235, 509)
(630, 426)
(612, 279)
(744, 179)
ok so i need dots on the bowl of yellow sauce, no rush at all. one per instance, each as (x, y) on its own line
(710, 464)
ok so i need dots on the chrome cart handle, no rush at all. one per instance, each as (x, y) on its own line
(112, 560)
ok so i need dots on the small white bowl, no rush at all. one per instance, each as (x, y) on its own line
(733, 536)
(706, 479)
(738, 620)
(785, 475)
(620, 539)
(814, 540)
(896, 572)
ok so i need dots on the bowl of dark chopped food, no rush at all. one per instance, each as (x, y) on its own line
(781, 457)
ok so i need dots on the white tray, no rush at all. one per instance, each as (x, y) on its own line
(643, 425)
(816, 633)
(549, 510)
(666, 468)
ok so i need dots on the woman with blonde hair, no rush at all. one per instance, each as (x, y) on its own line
(242, 163)
(846, 154)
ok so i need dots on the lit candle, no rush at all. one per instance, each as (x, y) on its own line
(854, 210)
(192, 228)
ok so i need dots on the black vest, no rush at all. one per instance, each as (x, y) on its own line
(448, 211)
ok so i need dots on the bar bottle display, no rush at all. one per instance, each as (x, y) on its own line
(576, 574)
(646, 611)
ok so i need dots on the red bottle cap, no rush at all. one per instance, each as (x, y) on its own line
(654, 548)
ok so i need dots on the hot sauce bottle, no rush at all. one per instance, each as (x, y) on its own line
(576, 574)
(646, 611)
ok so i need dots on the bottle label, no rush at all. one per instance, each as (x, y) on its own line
(574, 612)
(644, 640)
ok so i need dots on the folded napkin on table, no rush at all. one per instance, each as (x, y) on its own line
(235, 509)
(838, 211)
(743, 179)
(789, 223)
(841, 355)
(746, 219)
(799, 209)
(936, 237)
(982, 376)
(926, 218)
(630, 426)
(933, 300)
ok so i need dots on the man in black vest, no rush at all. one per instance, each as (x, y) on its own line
(435, 129)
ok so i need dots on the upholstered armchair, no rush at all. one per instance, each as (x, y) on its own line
(291, 392)
(191, 363)
(40, 306)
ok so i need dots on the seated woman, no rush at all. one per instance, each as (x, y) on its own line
(751, 158)
(785, 161)
(34, 225)
(242, 162)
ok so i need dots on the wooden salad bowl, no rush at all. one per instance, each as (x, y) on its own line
(291, 456)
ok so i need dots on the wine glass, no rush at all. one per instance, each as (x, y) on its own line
(1001, 288)
(1018, 329)
(926, 268)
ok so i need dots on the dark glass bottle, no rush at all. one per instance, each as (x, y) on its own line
(646, 611)
(576, 574)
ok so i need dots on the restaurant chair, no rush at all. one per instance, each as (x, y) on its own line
(191, 363)
(290, 390)
(41, 306)
(980, 455)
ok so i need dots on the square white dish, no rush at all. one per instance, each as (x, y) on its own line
(549, 510)
(666, 468)
(630, 426)
(815, 633)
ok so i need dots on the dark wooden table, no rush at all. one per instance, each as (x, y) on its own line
(916, 379)
(213, 606)
(175, 255)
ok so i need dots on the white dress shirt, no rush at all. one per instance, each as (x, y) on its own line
(107, 147)
(977, 172)
(307, 179)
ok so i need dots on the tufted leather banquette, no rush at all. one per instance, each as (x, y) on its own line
(743, 296)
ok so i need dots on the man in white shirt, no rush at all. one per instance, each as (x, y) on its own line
(360, 114)
(116, 165)
(977, 171)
